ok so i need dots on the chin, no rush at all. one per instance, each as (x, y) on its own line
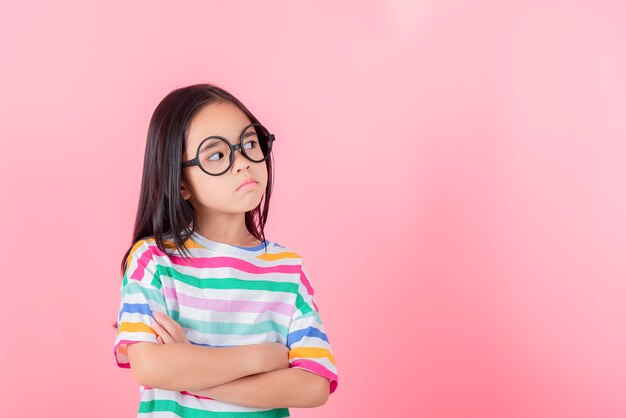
(251, 204)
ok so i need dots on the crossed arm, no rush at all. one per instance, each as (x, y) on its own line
(283, 388)
(255, 375)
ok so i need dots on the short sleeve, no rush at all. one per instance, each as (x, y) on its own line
(308, 343)
(140, 295)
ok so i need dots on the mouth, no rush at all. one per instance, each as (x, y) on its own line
(248, 184)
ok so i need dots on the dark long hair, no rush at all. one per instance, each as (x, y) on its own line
(162, 209)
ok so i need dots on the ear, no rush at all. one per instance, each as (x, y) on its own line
(184, 190)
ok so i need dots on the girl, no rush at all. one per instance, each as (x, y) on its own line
(215, 320)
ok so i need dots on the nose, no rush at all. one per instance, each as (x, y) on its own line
(240, 161)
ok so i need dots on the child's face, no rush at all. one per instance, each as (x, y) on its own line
(208, 193)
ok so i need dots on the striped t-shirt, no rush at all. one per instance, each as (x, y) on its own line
(225, 296)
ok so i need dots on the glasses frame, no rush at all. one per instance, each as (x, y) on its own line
(233, 148)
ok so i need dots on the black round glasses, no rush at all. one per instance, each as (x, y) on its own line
(215, 155)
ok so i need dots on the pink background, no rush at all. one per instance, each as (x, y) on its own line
(452, 172)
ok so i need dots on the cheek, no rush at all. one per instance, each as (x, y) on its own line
(261, 174)
(206, 188)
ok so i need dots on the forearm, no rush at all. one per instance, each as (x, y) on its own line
(285, 388)
(179, 366)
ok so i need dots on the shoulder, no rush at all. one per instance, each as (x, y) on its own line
(143, 252)
(285, 254)
(148, 245)
(289, 255)
(282, 247)
(139, 248)
(143, 245)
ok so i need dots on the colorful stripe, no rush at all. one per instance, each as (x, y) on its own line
(146, 407)
(223, 296)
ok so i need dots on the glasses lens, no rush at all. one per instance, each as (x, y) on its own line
(255, 142)
(214, 155)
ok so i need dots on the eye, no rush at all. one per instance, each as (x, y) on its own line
(253, 143)
(214, 159)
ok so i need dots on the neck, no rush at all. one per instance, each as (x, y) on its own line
(229, 228)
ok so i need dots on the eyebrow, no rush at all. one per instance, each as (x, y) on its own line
(214, 144)
(209, 145)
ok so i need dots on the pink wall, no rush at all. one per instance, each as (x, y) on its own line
(453, 172)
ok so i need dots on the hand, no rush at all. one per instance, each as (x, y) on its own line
(168, 330)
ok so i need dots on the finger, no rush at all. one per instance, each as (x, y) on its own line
(165, 336)
(172, 327)
(160, 340)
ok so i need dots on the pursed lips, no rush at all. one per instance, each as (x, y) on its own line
(246, 182)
